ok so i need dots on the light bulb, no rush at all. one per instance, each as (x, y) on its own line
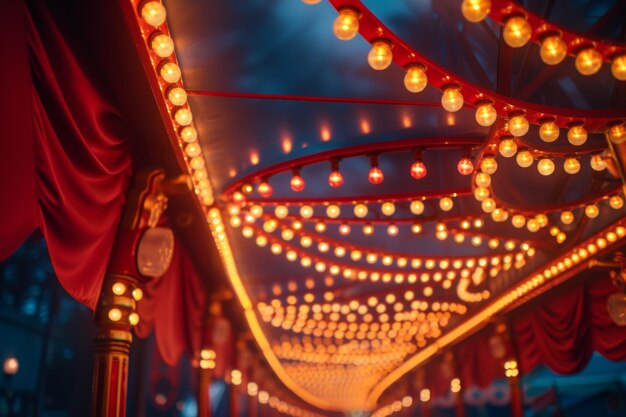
(592, 211)
(507, 147)
(115, 314)
(375, 176)
(189, 134)
(392, 230)
(264, 189)
(416, 228)
(597, 162)
(170, 72)
(346, 25)
(553, 50)
(388, 208)
(306, 212)
(297, 183)
(532, 225)
(618, 68)
(517, 32)
(499, 215)
(475, 10)
(616, 202)
(518, 221)
(183, 116)
(486, 114)
(480, 193)
(177, 96)
(549, 131)
(162, 45)
(489, 165)
(380, 55)
(417, 207)
(488, 205)
(465, 166)
(545, 166)
(577, 135)
(153, 13)
(446, 204)
(360, 210)
(452, 99)
(567, 217)
(344, 229)
(418, 170)
(335, 179)
(415, 79)
(368, 229)
(571, 165)
(617, 134)
(524, 158)
(588, 61)
(518, 125)
(482, 180)
(333, 211)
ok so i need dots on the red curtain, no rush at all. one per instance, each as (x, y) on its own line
(568, 327)
(174, 306)
(64, 160)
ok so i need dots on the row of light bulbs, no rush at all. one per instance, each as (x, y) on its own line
(394, 407)
(553, 49)
(516, 33)
(161, 46)
(115, 314)
(283, 407)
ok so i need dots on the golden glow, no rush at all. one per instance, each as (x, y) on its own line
(346, 25)
(177, 96)
(452, 99)
(475, 10)
(577, 135)
(545, 166)
(553, 50)
(415, 79)
(133, 319)
(588, 61)
(170, 72)
(618, 68)
(524, 159)
(153, 13)
(489, 165)
(549, 131)
(518, 125)
(115, 314)
(380, 56)
(517, 32)
(571, 165)
(507, 147)
(162, 45)
(486, 114)
(118, 288)
(617, 134)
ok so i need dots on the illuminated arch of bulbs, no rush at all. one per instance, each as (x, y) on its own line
(394, 407)
(387, 47)
(264, 398)
(556, 42)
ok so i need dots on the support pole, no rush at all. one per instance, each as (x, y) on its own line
(517, 397)
(204, 396)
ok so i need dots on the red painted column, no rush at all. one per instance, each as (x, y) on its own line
(517, 397)
(204, 396)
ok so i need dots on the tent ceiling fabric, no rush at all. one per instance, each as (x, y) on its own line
(347, 287)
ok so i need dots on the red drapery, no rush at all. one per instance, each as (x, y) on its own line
(64, 161)
(174, 306)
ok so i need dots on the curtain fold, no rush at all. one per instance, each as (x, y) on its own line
(64, 157)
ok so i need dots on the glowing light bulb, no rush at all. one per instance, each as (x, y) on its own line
(170, 72)
(153, 13)
(617, 134)
(344, 229)
(380, 55)
(416, 228)
(183, 116)
(577, 135)
(465, 166)
(545, 166)
(415, 79)
(265, 189)
(297, 183)
(480, 193)
(335, 179)
(452, 99)
(306, 212)
(162, 45)
(517, 32)
(524, 158)
(133, 319)
(177, 96)
(618, 68)
(507, 147)
(571, 165)
(616, 202)
(446, 204)
(532, 225)
(499, 215)
(553, 50)
(482, 180)
(388, 208)
(375, 176)
(392, 230)
(592, 211)
(597, 162)
(518, 221)
(549, 131)
(418, 170)
(346, 25)
(475, 10)
(417, 207)
(115, 314)
(488, 205)
(489, 165)
(333, 211)
(567, 217)
(368, 229)
(189, 134)
(518, 125)
(486, 114)
(588, 61)
(360, 210)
